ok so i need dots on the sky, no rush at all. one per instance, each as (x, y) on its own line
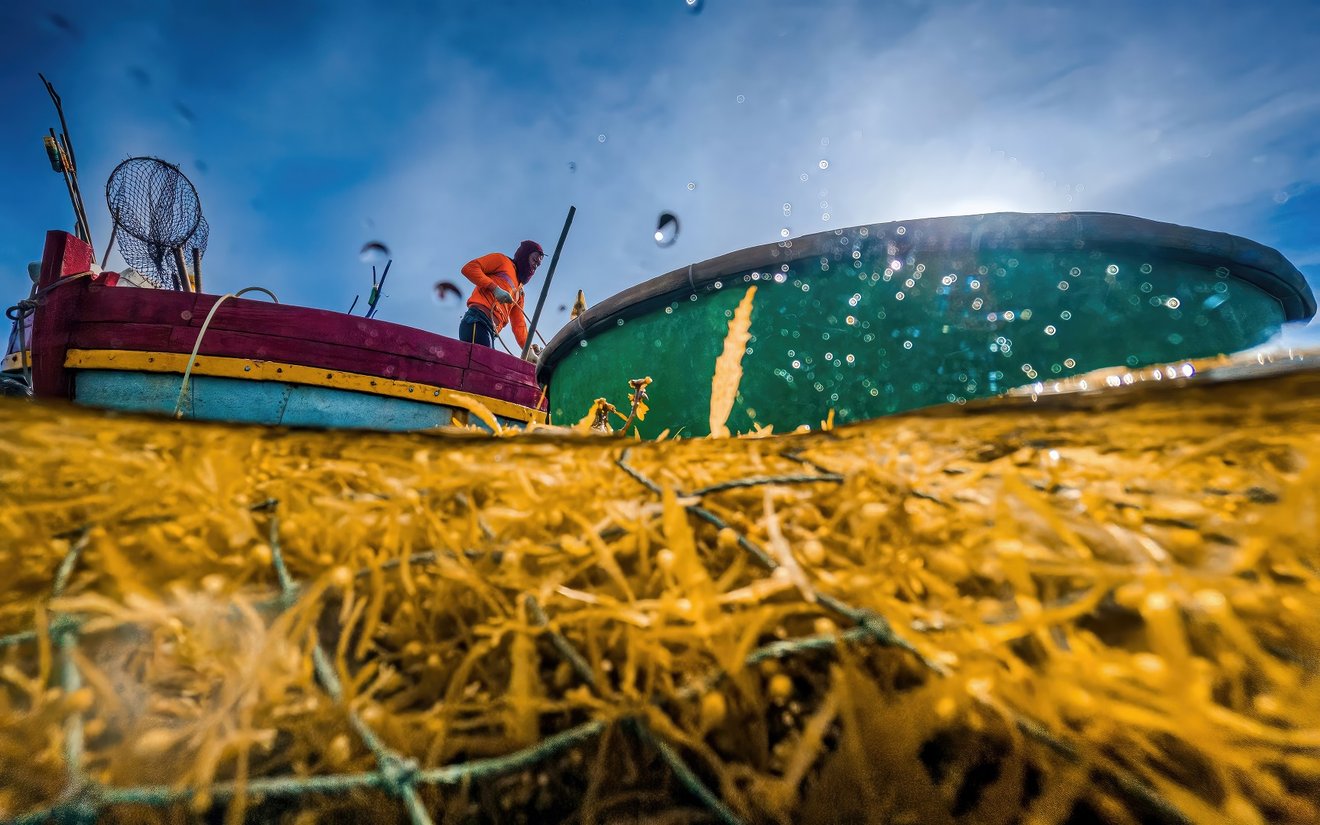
(447, 130)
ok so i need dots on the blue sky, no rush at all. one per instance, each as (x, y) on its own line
(450, 129)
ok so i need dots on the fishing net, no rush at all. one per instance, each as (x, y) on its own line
(155, 210)
(1003, 614)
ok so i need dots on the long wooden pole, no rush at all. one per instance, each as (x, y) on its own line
(545, 287)
(197, 269)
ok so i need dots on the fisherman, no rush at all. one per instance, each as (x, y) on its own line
(498, 298)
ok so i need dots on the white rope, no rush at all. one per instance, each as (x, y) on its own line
(192, 359)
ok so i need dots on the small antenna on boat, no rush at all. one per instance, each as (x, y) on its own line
(376, 288)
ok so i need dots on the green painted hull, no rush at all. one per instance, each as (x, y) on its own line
(876, 320)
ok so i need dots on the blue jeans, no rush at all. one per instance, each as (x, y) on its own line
(476, 328)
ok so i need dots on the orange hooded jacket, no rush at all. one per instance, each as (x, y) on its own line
(488, 272)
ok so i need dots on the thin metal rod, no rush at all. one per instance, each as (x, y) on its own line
(71, 160)
(77, 190)
(79, 228)
(114, 230)
(545, 287)
(59, 110)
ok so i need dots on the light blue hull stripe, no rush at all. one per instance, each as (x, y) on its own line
(260, 402)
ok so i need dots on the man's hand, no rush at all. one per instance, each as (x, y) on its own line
(502, 295)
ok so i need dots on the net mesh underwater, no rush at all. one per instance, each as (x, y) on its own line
(1078, 611)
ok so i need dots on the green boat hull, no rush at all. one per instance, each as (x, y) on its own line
(875, 320)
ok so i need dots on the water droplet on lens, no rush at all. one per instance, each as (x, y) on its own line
(824, 164)
(572, 167)
(374, 252)
(692, 185)
(803, 177)
(742, 99)
(788, 208)
(785, 232)
(444, 290)
(600, 138)
(694, 6)
(666, 229)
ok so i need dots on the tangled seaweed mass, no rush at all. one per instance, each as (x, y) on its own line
(997, 614)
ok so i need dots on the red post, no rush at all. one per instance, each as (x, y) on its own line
(57, 309)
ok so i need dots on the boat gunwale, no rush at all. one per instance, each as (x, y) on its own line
(1256, 264)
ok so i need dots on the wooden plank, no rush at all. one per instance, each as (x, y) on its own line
(276, 321)
(225, 343)
(484, 383)
(102, 335)
(494, 361)
(64, 255)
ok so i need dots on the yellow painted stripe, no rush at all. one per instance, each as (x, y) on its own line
(14, 361)
(253, 370)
